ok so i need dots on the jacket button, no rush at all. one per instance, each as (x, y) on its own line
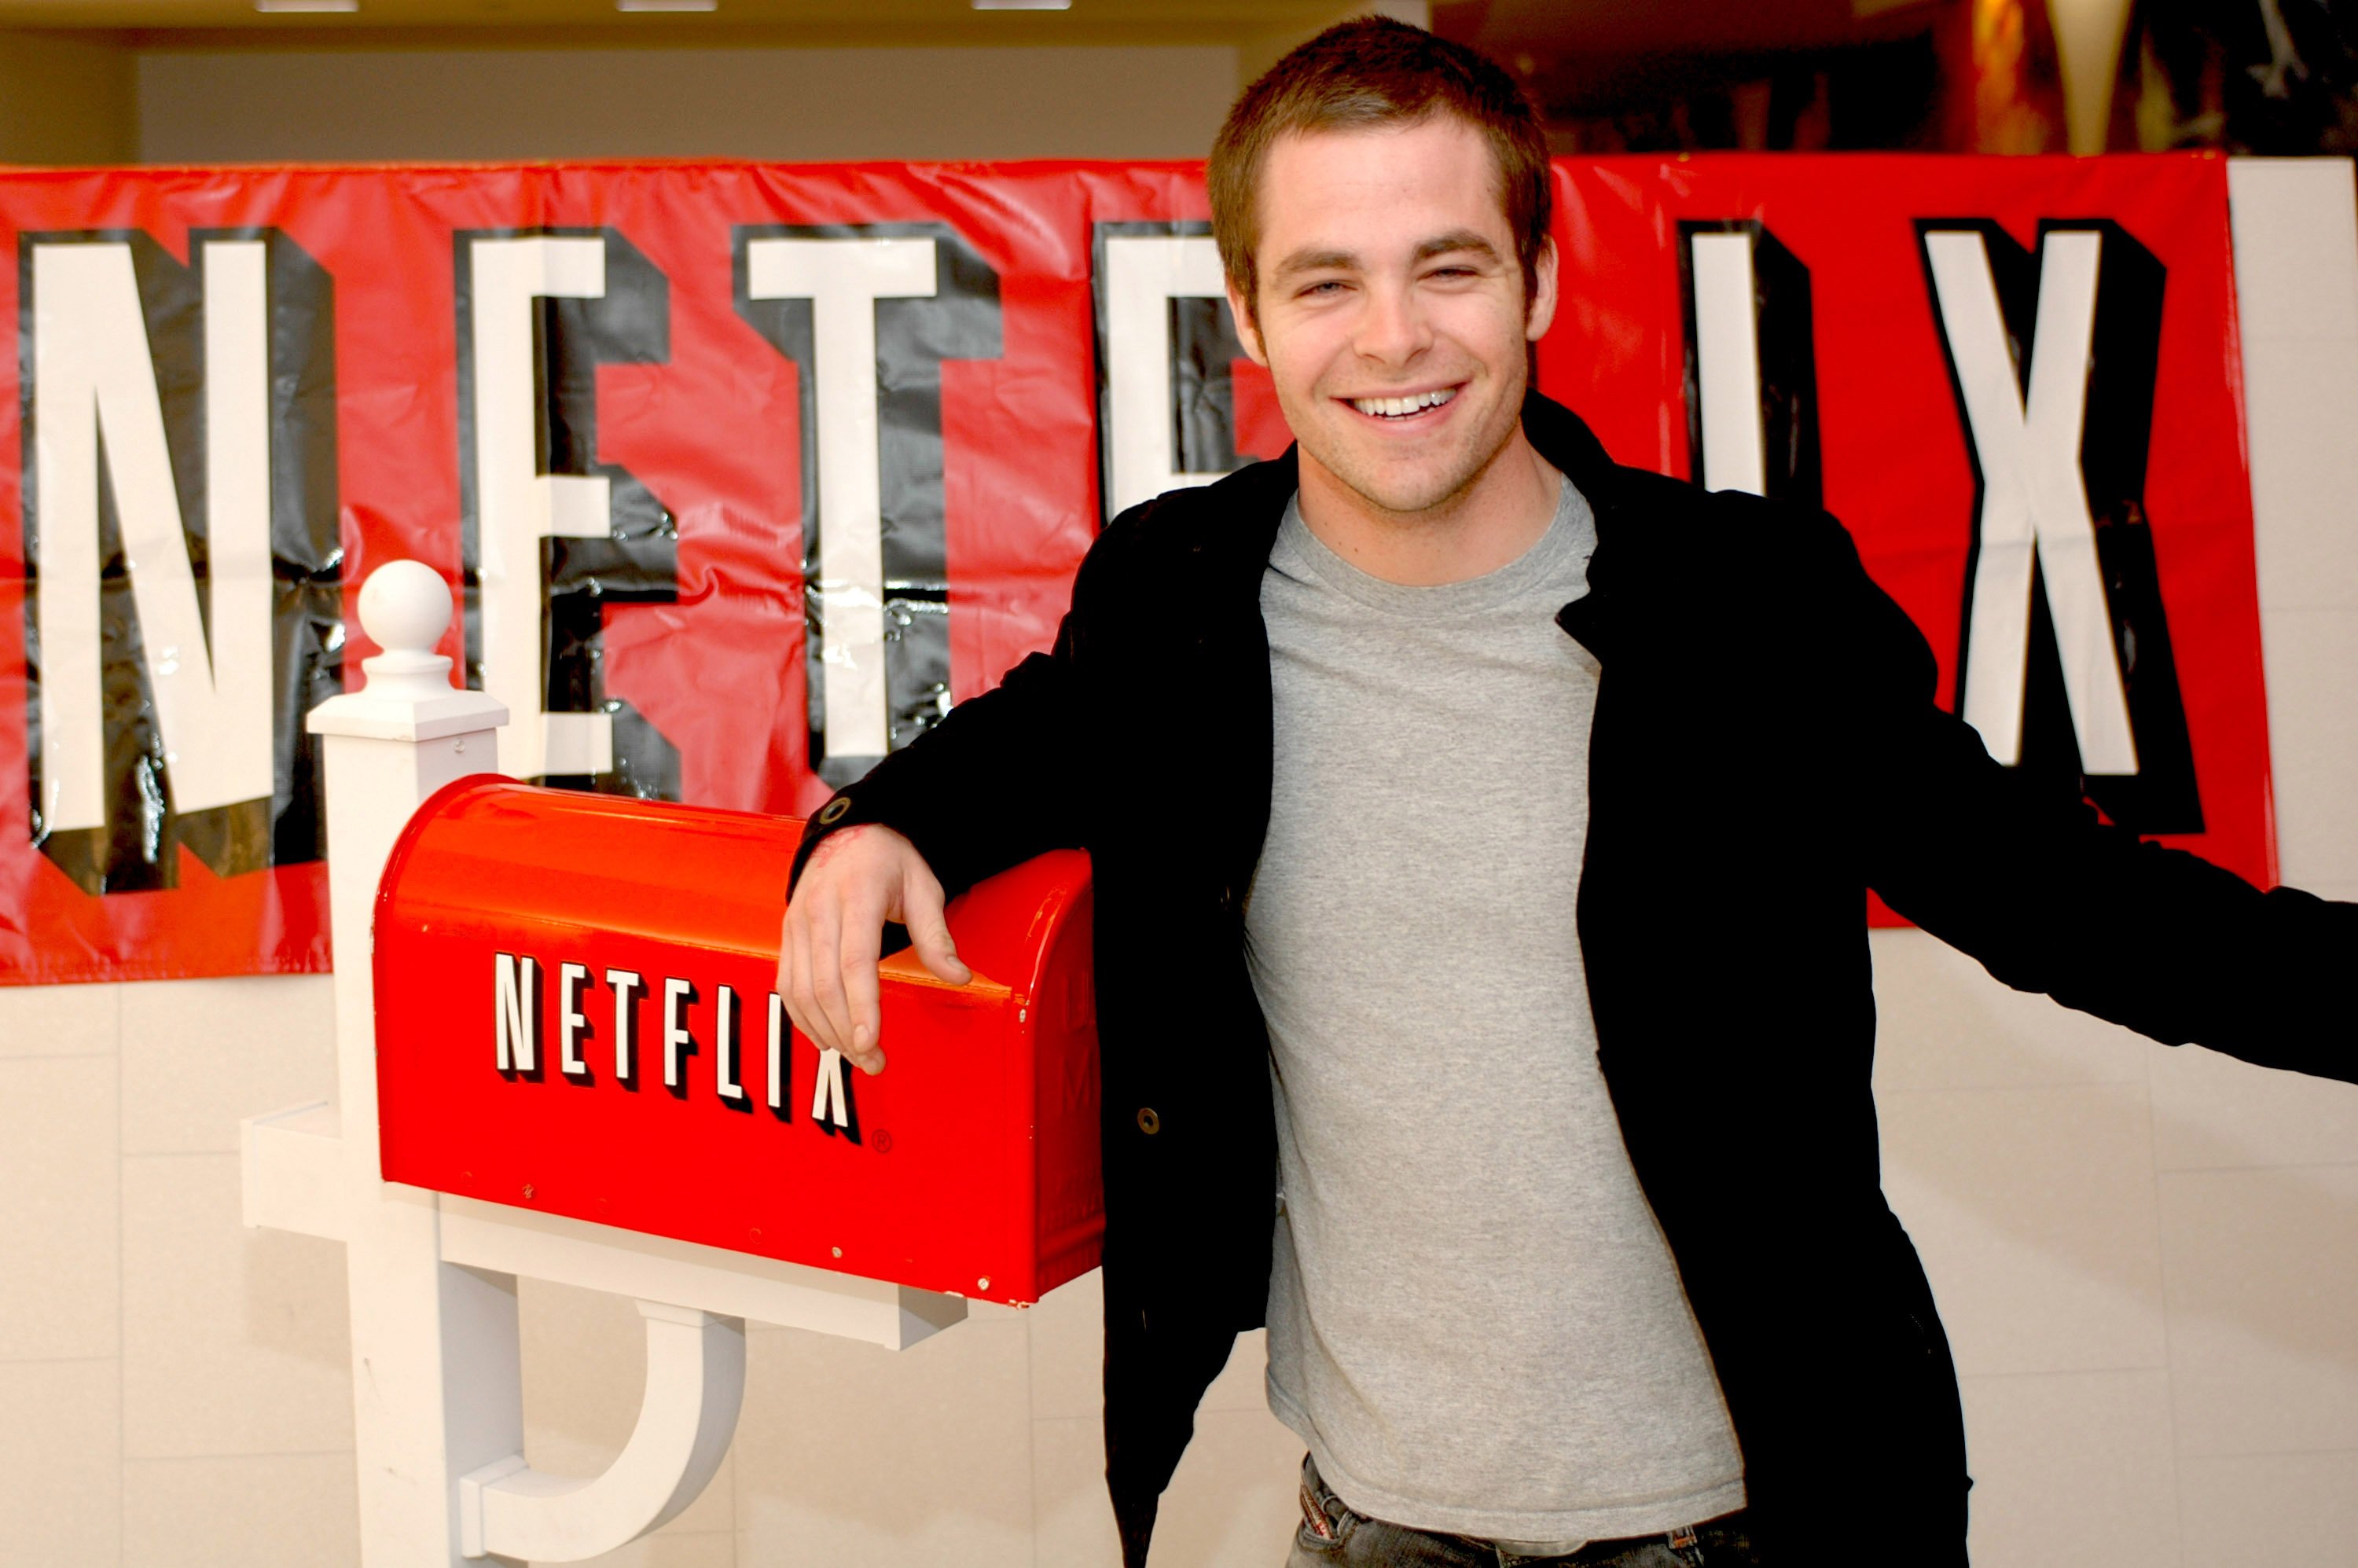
(1148, 1123)
(833, 810)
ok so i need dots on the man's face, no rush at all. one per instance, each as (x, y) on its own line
(1385, 271)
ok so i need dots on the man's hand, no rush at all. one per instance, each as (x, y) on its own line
(856, 879)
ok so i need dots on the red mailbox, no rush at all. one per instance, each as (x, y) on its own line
(576, 1015)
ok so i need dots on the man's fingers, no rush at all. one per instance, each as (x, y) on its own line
(929, 932)
(833, 937)
(862, 944)
(832, 1030)
(786, 961)
(793, 942)
(860, 993)
(795, 962)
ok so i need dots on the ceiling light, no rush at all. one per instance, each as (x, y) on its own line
(667, 5)
(307, 5)
(1022, 4)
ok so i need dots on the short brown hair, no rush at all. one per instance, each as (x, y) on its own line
(1368, 73)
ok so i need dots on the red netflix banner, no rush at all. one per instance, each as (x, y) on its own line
(746, 475)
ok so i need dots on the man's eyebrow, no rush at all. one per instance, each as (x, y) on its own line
(1454, 241)
(1316, 260)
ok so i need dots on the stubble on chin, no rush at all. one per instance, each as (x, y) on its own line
(1410, 492)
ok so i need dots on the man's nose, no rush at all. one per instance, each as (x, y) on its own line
(1392, 328)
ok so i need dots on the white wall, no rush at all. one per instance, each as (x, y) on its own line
(2148, 1259)
(206, 106)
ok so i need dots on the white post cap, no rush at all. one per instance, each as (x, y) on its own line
(405, 609)
(404, 606)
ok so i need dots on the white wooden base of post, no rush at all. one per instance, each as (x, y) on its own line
(436, 1379)
(696, 1381)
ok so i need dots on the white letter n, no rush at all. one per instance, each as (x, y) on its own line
(518, 1005)
(93, 373)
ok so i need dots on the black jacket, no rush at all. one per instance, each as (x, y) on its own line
(1767, 748)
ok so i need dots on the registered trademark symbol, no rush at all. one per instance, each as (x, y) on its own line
(883, 1143)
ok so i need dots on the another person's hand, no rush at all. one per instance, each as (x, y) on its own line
(858, 879)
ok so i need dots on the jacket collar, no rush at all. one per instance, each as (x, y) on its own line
(1573, 448)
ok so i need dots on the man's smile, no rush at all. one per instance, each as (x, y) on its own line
(1404, 408)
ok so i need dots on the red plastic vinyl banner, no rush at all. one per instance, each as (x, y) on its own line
(747, 473)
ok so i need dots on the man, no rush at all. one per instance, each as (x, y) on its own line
(1569, 1248)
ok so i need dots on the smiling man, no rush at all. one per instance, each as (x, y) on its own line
(1567, 1225)
(1395, 314)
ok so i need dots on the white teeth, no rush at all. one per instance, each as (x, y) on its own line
(1394, 408)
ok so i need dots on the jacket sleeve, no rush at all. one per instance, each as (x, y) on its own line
(998, 780)
(2023, 875)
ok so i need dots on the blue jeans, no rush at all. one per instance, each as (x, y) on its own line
(1332, 1536)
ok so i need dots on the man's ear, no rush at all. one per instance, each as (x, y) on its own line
(1248, 329)
(1543, 295)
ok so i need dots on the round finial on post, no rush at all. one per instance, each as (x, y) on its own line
(404, 606)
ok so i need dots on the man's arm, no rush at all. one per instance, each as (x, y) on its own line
(995, 783)
(2028, 878)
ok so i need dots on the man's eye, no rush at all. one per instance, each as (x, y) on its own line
(1325, 286)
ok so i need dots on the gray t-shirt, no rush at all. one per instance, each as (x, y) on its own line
(1474, 1322)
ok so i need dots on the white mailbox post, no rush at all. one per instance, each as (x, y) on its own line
(436, 1392)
